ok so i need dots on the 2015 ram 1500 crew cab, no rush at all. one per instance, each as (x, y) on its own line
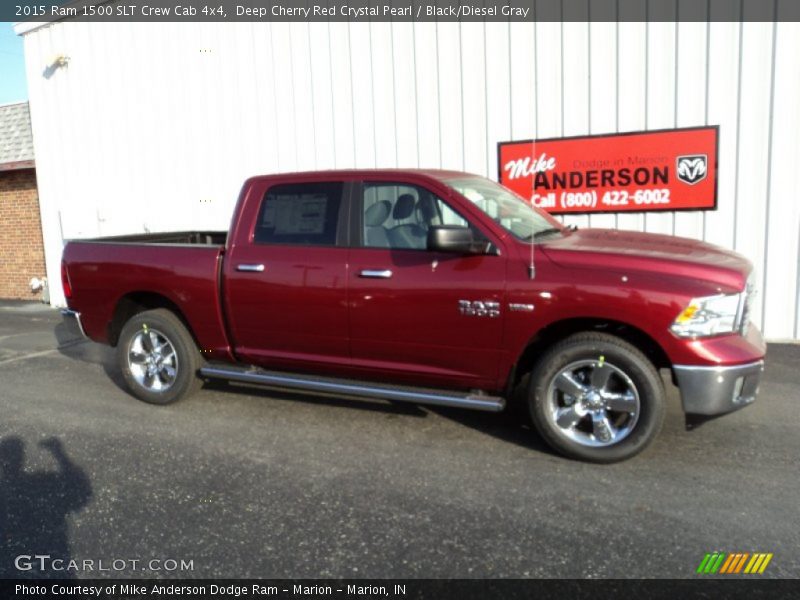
(433, 287)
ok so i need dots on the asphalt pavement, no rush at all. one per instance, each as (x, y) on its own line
(243, 482)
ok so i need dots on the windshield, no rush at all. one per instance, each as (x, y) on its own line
(507, 209)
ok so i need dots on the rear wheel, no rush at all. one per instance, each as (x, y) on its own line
(596, 397)
(158, 357)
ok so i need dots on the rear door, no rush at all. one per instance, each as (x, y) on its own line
(285, 277)
(409, 315)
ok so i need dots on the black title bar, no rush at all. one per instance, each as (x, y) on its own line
(400, 10)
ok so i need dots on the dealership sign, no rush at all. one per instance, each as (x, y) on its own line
(673, 169)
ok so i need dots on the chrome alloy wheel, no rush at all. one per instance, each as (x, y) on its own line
(593, 403)
(152, 360)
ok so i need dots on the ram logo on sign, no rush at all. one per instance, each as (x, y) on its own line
(692, 169)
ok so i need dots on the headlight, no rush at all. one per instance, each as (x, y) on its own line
(750, 293)
(711, 315)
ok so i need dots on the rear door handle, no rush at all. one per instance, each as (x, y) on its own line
(250, 268)
(376, 273)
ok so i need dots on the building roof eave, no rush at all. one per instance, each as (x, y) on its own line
(17, 166)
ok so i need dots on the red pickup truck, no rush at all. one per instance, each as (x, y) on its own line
(434, 287)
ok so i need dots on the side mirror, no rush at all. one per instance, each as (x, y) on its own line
(453, 239)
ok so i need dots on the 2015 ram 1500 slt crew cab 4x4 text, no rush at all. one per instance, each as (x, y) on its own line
(420, 285)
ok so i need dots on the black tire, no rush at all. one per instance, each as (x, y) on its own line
(589, 352)
(164, 325)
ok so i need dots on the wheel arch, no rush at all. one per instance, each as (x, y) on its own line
(559, 330)
(133, 303)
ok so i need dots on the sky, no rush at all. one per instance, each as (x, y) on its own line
(13, 86)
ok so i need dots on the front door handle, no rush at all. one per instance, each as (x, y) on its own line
(250, 268)
(376, 273)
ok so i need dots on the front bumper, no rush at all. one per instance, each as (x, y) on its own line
(718, 390)
(73, 321)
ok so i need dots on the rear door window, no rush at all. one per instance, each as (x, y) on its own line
(303, 214)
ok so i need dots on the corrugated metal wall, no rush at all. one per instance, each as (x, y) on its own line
(155, 126)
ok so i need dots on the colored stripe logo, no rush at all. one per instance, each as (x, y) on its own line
(734, 563)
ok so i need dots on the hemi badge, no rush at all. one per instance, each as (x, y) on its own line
(520, 307)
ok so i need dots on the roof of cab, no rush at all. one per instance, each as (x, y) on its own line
(438, 174)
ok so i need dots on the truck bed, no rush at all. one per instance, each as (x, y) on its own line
(176, 269)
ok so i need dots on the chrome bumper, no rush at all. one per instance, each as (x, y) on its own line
(718, 390)
(73, 320)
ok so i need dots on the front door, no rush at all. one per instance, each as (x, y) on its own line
(426, 318)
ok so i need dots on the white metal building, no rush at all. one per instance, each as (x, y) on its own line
(155, 126)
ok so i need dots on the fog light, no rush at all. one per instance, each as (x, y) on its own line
(737, 390)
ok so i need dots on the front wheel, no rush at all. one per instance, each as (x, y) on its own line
(597, 398)
(158, 357)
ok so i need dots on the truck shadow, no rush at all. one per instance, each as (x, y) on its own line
(402, 408)
(34, 509)
(512, 425)
(78, 348)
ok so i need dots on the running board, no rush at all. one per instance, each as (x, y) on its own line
(352, 388)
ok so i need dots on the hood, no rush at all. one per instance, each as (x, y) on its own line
(649, 252)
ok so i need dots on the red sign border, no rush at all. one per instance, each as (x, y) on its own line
(624, 134)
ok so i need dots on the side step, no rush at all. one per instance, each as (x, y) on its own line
(353, 388)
